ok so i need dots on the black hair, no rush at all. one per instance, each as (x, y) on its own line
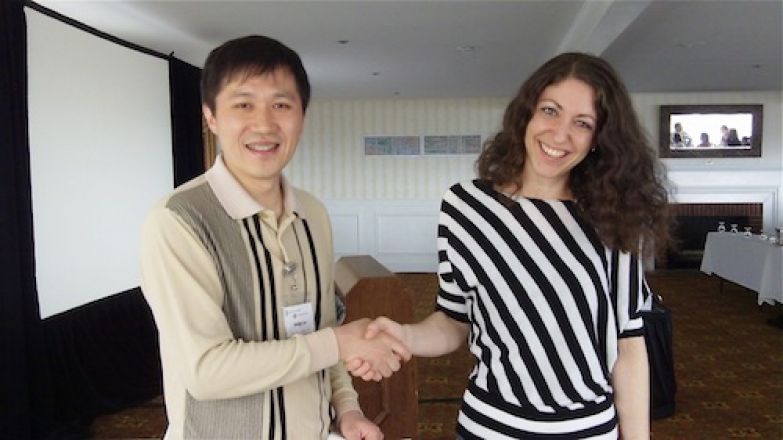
(250, 56)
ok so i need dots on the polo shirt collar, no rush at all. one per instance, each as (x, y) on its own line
(237, 202)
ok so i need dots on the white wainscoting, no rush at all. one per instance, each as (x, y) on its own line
(401, 235)
(737, 187)
(767, 196)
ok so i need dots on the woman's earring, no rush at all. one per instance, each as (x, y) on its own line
(592, 150)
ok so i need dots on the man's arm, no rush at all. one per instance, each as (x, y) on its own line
(350, 419)
(630, 380)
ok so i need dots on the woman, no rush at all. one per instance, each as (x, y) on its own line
(540, 264)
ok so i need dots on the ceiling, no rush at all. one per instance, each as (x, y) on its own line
(450, 48)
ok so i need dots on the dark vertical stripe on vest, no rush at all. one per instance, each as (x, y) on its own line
(281, 403)
(276, 334)
(272, 415)
(271, 272)
(317, 275)
(257, 262)
(301, 259)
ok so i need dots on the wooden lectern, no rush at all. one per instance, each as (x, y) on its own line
(370, 290)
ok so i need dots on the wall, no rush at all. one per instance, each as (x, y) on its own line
(330, 160)
(387, 206)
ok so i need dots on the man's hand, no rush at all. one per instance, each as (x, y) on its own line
(354, 426)
(394, 329)
(360, 367)
(382, 353)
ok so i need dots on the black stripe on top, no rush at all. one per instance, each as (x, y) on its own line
(515, 432)
(614, 263)
(567, 275)
(579, 295)
(476, 334)
(602, 315)
(633, 286)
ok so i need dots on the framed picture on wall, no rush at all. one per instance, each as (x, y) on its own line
(694, 131)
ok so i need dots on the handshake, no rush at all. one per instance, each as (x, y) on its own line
(373, 349)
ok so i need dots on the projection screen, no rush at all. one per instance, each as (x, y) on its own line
(100, 156)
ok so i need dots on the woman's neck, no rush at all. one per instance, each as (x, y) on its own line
(545, 189)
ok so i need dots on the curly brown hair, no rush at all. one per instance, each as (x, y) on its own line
(620, 186)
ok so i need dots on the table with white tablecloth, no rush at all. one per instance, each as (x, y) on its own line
(748, 261)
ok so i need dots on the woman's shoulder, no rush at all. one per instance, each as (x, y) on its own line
(471, 186)
(467, 183)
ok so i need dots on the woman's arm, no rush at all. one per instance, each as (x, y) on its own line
(435, 336)
(631, 382)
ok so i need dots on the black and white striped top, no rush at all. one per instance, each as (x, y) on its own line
(546, 301)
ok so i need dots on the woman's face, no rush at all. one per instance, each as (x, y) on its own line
(559, 135)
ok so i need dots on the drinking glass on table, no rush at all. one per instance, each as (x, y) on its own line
(734, 228)
(748, 232)
(721, 226)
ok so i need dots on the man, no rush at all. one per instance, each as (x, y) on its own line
(679, 133)
(237, 269)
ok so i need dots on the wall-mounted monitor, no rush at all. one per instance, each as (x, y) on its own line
(732, 130)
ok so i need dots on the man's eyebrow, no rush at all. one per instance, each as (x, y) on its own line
(284, 94)
(249, 94)
(240, 94)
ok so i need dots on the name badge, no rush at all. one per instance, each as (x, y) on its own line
(299, 319)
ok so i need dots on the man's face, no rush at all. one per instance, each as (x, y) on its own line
(258, 121)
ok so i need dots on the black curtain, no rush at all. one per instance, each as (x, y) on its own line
(187, 143)
(102, 357)
(59, 373)
(20, 337)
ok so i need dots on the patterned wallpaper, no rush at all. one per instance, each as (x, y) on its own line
(330, 162)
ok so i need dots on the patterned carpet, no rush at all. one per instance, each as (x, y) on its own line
(728, 362)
